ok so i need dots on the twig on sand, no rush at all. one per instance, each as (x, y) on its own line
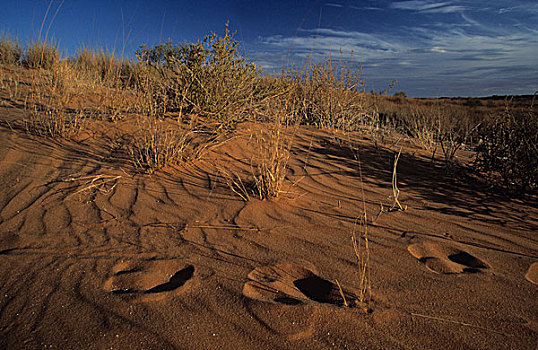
(458, 322)
(239, 228)
(97, 182)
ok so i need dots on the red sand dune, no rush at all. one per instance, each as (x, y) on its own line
(94, 256)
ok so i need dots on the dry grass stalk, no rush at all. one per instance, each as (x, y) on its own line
(457, 322)
(273, 155)
(362, 253)
(346, 304)
(97, 182)
(235, 183)
(395, 189)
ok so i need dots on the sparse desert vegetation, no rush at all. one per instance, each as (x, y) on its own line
(211, 80)
(141, 178)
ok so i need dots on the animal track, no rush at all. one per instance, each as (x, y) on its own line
(291, 285)
(146, 280)
(532, 273)
(446, 260)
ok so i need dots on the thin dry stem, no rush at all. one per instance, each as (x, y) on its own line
(342, 293)
(395, 190)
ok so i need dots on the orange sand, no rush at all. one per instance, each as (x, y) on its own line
(177, 260)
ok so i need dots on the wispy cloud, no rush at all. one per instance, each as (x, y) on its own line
(475, 55)
(329, 4)
(428, 6)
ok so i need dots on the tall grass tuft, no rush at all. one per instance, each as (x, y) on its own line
(330, 95)
(158, 144)
(41, 55)
(10, 51)
(273, 155)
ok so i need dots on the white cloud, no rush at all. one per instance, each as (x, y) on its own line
(438, 49)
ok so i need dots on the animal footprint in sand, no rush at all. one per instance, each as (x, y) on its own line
(292, 285)
(147, 280)
(532, 273)
(446, 260)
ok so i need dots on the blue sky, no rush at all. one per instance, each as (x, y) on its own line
(433, 48)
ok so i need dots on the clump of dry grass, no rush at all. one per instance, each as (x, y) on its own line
(49, 110)
(101, 69)
(273, 155)
(10, 51)
(54, 121)
(41, 55)
(158, 144)
(330, 95)
(269, 165)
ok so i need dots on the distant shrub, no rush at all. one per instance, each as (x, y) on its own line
(41, 55)
(10, 51)
(509, 146)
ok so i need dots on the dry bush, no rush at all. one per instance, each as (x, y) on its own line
(41, 55)
(509, 147)
(208, 78)
(158, 144)
(10, 51)
(329, 95)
